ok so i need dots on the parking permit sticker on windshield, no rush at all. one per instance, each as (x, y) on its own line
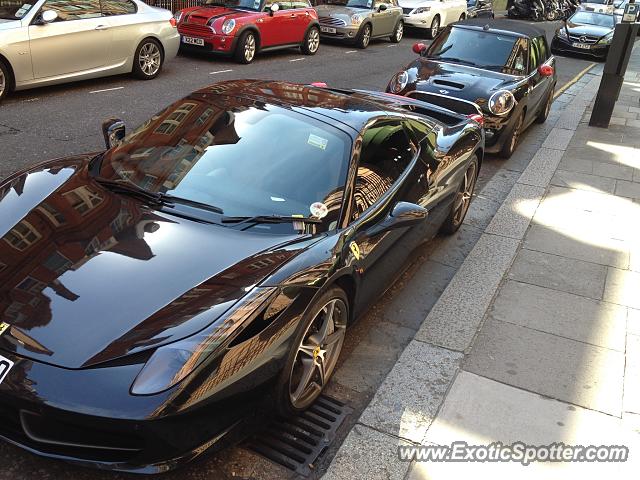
(318, 210)
(317, 141)
(256, 4)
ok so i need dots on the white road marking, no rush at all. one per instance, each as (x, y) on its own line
(296, 59)
(107, 90)
(351, 51)
(221, 71)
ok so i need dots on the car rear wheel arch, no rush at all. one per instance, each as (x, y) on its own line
(12, 78)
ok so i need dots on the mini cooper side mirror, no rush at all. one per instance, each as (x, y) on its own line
(403, 214)
(545, 70)
(419, 48)
(382, 8)
(114, 131)
(48, 16)
(274, 8)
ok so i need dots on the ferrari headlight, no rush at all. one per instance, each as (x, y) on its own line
(606, 40)
(562, 33)
(356, 19)
(399, 81)
(501, 102)
(171, 363)
(421, 10)
(228, 26)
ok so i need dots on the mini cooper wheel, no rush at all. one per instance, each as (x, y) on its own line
(316, 347)
(246, 48)
(398, 32)
(512, 140)
(311, 42)
(148, 59)
(462, 200)
(4, 80)
(544, 113)
(364, 37)
(435, 27)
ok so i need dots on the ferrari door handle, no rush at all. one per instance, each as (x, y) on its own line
(102, 27)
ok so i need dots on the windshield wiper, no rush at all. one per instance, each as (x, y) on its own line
(269, 219)
(454, 59)
(153, 197)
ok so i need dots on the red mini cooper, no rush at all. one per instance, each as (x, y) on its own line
(244, 27)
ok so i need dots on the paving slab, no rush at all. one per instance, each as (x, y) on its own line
(568, 198)
(564, 274)
(628, 189)
(580, 244)
(558, 139)
(368, 454)
(573, 164)
(541, 168)
(623, 287)
(621, 172)
(563, 314)
(568, 370)
(407, 401)
(454, 319)
(583, 181)
(453, 249)
(500, 184)
(632, 375)
(481, 211)
(480, 411)
(633, 321)
(513, 217)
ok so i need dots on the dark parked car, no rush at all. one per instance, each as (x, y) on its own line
(585, 33)
(480, 9)
(159, 297)
(503, 66)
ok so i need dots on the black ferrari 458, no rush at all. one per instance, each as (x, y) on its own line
(502, 68)
(158, 298)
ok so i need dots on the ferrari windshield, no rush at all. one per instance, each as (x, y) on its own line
(244, 4)
(493, 51)
(239, 155)
(15, 9)
(589, 18)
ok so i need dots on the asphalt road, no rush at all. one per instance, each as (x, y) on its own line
(50, 122)
(44, 123)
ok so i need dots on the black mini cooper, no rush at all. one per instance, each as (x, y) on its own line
(502, 68)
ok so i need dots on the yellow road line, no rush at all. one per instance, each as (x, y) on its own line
(572, 81)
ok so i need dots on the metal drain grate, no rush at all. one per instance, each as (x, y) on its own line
(296, 443)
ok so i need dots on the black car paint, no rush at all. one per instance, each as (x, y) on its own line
(477, 85)
(565, 45)
(68, 393)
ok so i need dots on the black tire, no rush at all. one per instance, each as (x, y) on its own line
(462, 17)
(398, 32)
(311, 42)
(544, 113)
(5, 80)
(435, 27)
(288, 380)
(364, 36)
(511, 142)
(148, 59)
(459, 210)
(246, 48)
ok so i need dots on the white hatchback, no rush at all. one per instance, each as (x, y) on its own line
(44, 42)
(432, 14)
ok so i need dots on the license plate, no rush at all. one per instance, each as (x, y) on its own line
(5, 366)
(584, 46)
(327, 30)
(193, 41)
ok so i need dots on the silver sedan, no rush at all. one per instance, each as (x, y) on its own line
(44, 42)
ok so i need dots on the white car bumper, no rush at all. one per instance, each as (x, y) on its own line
(421, 20)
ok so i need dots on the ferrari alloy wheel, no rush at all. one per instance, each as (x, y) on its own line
(435, 27)
(365, 36)
(542, 116)
(462, 199)
(315, 352)
(148, 59)
(4, 80)
(311, 42)
(246, 49)
(398, 32)
(511, 142)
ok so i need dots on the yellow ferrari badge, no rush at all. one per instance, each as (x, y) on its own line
(4, 327)
(355, 249)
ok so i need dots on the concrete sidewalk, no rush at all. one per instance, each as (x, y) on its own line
(537, 336)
